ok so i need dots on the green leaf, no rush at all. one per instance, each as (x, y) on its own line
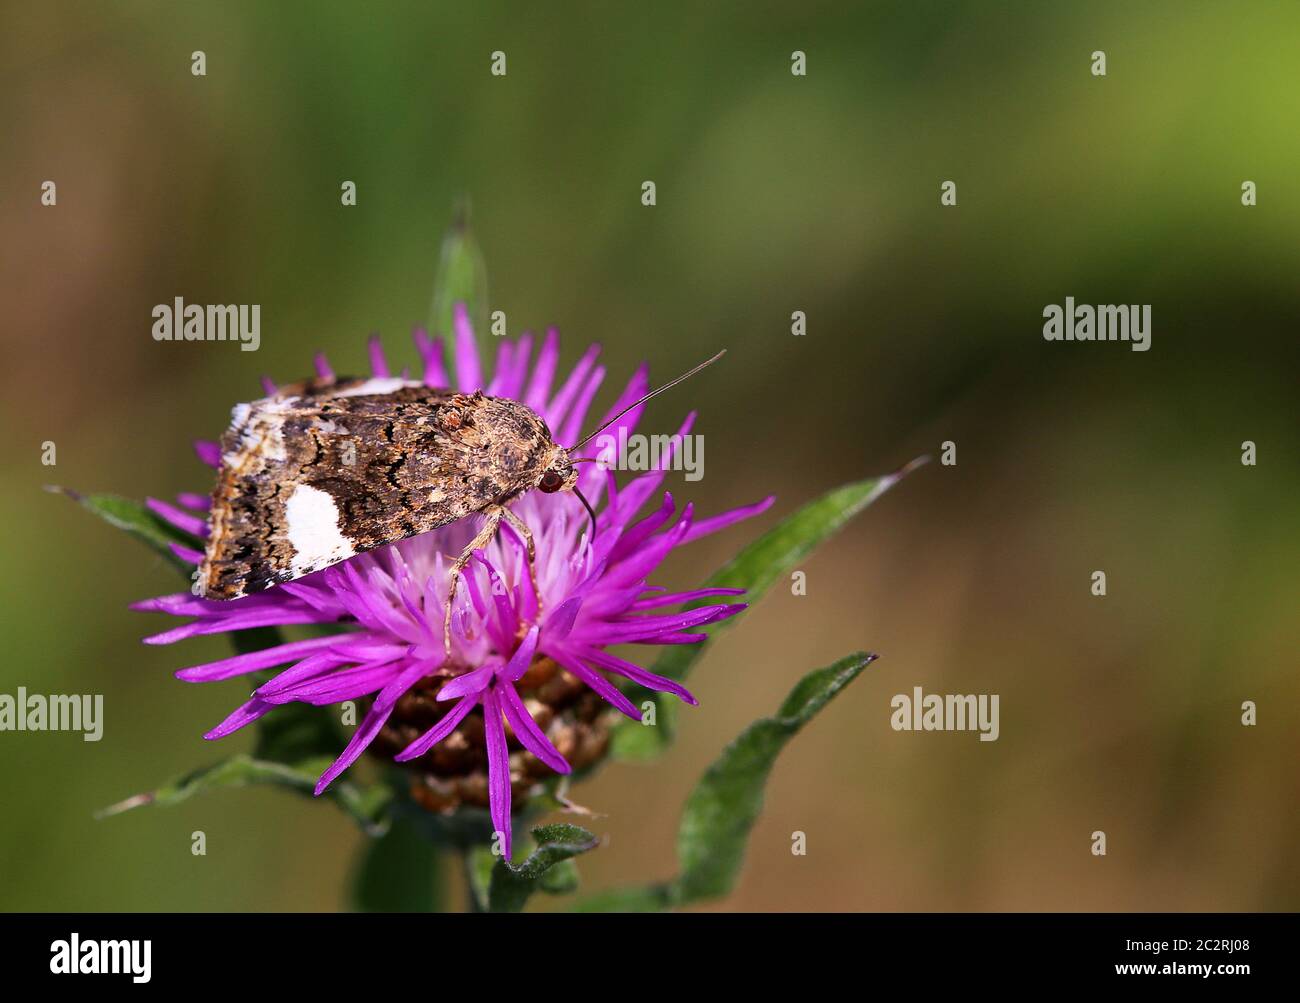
(461, 278)
(399, 871)
(137, 520)
(511, 886)
(367, 806)
(722, 809)
(754, 569)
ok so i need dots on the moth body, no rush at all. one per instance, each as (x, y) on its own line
(325, 470)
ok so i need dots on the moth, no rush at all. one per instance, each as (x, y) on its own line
(326, 469)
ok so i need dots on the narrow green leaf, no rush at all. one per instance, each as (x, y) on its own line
(511, 886)
(461, 278)
(367, 806)
(722, 809)
(754, 569)
(137, 520)
(400, 871)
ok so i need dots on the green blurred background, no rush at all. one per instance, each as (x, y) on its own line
(775, 193)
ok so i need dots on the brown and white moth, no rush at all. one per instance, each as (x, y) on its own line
(327, 469)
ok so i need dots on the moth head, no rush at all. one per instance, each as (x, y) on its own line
(559, 474)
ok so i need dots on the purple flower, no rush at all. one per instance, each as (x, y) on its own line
(508, 631)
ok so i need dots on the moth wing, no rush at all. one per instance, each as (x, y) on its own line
(307, 481)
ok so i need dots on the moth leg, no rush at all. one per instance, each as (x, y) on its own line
(521, 527)
(484, 537)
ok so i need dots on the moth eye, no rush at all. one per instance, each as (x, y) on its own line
(551, 482)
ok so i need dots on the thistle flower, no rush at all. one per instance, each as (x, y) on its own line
(530, 661)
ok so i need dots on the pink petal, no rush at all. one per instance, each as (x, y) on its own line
(244, 714)
(470, 683)
(439, 731)
(208, 452)
(469, 376)
(373, 721)
(183, 521)
(526, 730)
(572, 430)
(378, 363)
(523, 656)
(238, 665)
(539, 387)
(430, 349)
(717, 522)
(498, 768)
(559, 407)
(185, 553)
(638, 675)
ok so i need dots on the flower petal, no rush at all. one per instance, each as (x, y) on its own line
(238, 665)
(560, 621)
(245, 713)
(593, 679)
(440, 730)
(181, 520)
(469, 375)
(469, 683)
(430, 349)
(714, 523)
(572, 430)
(638, 675)
(373, 721)
(673, 598)
(378, 363)
(523, 656)
(186, 554)
(208, 452)
(559, 407)
(498, 755)
(526, 730)
(539, 387)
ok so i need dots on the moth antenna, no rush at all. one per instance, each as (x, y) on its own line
(653, 393)
(587, 505)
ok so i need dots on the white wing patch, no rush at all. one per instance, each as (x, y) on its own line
(313, 530)
(377, 385)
